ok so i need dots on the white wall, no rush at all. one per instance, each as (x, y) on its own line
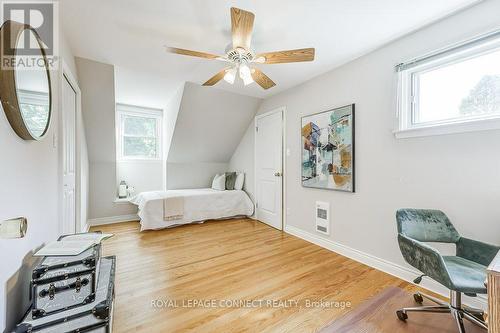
(84, 177)
(29, 178)
(458, 174)
(98, 107)
(209, 125)
(193, 175)
(82, 174)
(151, 175)
(103, 86)
(153, 91)
(170, 115)
(143, 175)
(243, 160)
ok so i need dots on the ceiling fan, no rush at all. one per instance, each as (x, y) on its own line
(240, 56)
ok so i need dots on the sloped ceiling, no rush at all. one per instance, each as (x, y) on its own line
(131, 33)
(210, 124)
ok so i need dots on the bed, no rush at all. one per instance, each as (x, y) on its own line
(193, 205)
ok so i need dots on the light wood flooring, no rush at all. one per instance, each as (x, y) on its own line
(226, 261)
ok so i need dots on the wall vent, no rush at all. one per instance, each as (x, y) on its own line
(323, 217)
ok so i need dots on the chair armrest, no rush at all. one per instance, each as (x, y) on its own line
(425, 258)
(476, 251)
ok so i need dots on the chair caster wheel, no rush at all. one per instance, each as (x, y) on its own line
(401, 315)
(418, 298)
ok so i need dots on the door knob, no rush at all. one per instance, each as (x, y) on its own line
(277, 174)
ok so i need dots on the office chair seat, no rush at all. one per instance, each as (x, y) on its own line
(466, 276)
(463, 273)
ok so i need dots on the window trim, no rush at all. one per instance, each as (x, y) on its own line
(123, 110)
(408, 76)
(34, 97)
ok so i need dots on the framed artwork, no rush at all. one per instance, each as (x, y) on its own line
(328, 149)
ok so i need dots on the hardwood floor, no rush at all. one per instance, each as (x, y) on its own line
(233, 260)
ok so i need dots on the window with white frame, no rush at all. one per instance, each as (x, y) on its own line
(453, 90)
(139, 133)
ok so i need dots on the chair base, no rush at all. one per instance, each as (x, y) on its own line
(455, 308)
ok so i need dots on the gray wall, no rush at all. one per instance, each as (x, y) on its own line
(98, 108)
(456, 173)
(29, 181)
(209, 126)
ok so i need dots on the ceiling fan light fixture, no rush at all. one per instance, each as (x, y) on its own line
(247, 80)
(245, 74)
(239, 54)
(230, 75)
(259, 60)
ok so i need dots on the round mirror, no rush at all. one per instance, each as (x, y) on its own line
(25, 81)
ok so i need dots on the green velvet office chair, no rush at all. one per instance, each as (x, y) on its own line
(464, 273)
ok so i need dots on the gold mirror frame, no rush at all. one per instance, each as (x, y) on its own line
(8, 90)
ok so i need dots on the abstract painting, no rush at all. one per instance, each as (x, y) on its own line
(328, 149)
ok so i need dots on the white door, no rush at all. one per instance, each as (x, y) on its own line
(269, 169)
(69, 157)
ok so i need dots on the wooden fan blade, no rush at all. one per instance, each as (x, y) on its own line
(281, 57)
(241, 27)
(192, 53)
(216, 78)
(262, 79)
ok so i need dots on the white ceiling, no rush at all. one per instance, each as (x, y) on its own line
(136, 87)
(130, 34)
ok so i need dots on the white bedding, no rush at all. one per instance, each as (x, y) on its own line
(199, 205)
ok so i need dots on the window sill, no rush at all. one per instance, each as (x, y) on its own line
(139, 160)
(450, 128)
(122, 200)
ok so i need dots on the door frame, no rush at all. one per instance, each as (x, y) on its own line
(66, 74)
(282, 110)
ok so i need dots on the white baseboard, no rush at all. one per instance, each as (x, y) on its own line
(113, 219)
(388, 267)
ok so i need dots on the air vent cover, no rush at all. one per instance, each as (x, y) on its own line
(323, 217)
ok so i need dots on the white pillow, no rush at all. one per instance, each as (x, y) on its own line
(240, 180)
(219, 182)
(213, 180)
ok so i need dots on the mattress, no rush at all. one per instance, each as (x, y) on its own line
(199, 205)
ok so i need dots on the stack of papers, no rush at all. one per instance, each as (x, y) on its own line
(63, 248)
(95, 237)
(72, 245)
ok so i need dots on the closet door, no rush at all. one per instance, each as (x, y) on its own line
(269, 168)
